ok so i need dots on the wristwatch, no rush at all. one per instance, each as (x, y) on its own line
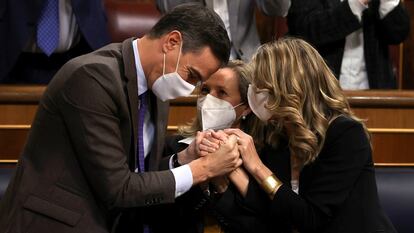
(175, 162)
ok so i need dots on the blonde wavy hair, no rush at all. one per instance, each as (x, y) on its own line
(251, 125)
(305, 96)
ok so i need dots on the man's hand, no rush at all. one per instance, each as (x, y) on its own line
(220, 162)
(251, 160)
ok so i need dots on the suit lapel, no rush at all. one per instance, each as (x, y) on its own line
(132, 92)
(160, 118)
(209, 4)
(159, 109)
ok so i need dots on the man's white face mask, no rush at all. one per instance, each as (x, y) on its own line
(171, 86)
(215, 113)
(258, 99)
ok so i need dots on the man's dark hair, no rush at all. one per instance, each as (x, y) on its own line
(199, 27)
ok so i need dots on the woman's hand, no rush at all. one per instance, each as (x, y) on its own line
(206, 142)
(251, 160)
(203, 144)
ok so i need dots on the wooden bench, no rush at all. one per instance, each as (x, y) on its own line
(388, 114)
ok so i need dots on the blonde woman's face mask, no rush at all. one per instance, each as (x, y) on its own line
(258, 99)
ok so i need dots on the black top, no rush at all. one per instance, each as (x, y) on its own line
(337, 192)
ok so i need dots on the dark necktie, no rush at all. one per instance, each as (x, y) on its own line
(140, 154)
(48, 27)
(141, 119)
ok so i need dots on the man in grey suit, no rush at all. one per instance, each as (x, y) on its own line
(97, 136)
(239, 18)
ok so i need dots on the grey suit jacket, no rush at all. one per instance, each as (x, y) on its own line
(242, 20)
(76, 170)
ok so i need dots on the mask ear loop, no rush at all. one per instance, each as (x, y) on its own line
(238, 105)
(163, 66)
(179, 55)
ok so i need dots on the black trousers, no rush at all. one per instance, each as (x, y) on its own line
(37, 68)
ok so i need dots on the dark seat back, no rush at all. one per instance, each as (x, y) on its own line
(130, 18)
(396, 193)
(5, 176)
(395, 190)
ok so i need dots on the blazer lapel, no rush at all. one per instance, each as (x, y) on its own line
(160, 118)
(209, 4)
(132, 93)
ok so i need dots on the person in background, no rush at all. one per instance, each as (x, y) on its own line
(321, 177)
(353, 36)
(239, 18)
(222, 103)
(90, 163)
(38, 37)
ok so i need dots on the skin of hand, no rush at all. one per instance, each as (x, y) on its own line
(213, 141)
(208, 144)
(365, 2)
(240, 179)
(251, 160)
(238, 176)
(203, 144)
(222, 161)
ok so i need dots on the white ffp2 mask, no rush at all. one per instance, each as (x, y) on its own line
(215, 113)
(170, 86)
(258, 99)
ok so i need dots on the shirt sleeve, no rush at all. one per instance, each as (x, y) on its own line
(386, 6)
(183, 179)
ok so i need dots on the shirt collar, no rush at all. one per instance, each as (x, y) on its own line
(142, 80)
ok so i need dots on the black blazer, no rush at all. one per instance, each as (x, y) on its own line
(326, 23)
(187, 214)
(18, 20)
(76, 170)
(337, 191)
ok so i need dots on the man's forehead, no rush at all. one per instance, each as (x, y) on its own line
(205, 63)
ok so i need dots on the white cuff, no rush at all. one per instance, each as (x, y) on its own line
(386, 6)
(357, 8)
(183, 179)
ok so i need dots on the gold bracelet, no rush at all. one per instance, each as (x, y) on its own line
(271, 184)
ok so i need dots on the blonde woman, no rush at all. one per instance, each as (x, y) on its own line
(222, 103)
(324, 149)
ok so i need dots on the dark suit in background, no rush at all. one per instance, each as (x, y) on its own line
(242, 20)
(18, 24)
(76, 170)
(337, 192)
(326, 23)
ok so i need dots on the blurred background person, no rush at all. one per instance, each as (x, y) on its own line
(353, 36)
(239, 19)
(38, 37)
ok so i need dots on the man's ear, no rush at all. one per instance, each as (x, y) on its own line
(172, 40)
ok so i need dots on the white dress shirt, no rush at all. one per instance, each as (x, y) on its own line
(353, 74)
(182, 175)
